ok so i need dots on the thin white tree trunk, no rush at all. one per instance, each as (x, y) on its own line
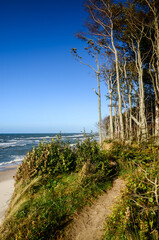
(157, 43)
(143, 123)
(157, 121)
(130, 109)
(157, 74)
(115, 123)
(111, 117)
(121, 125)
(153, 122)
(99, 108)
(111, 131)
(126, 120)
(138, 128)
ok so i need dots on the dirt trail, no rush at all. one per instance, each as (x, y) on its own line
(88, 225)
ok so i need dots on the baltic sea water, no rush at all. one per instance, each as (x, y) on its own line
(14, 147)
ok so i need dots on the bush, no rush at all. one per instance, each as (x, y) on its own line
(47, 159)
(57, 157)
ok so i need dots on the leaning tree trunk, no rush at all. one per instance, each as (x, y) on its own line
(143, 123)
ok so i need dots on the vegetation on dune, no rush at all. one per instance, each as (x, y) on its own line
(136, 215)
(49, 193)
(49, 188)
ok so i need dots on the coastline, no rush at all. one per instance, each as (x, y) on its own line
(6, 189)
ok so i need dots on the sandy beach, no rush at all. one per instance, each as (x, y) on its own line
(6, 189)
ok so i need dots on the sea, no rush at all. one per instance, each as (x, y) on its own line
(14, 147)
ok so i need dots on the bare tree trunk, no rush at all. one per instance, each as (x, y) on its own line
(111, 117)
(157, 41)
(157, 74)
(138, 128)
(157, 122)
(118, 88)
(115, 123)
(152, 121)
(142, 117)
(130, 109)
(143, 123)
(109, 82)
(128, 130)
(99, 108)
(126, 121)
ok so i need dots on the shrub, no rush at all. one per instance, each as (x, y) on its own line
(47, 159)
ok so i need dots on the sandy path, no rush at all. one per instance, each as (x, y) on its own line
(89, 224)
(6, 190)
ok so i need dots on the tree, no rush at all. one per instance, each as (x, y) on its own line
(153, 36)
(94, 52)
(128, 34)
(110, 80)
(104, 15)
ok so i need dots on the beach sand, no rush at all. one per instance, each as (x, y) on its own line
(6, 189)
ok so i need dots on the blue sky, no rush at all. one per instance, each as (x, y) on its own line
(43, 89)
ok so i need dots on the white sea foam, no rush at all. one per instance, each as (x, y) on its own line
(75, 136)
(18, 143)
(35, 138)
(16, 160)
(23, 142)
(12, 144)
(7, 144)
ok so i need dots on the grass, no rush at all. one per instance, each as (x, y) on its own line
(41, 212)
(49, 191)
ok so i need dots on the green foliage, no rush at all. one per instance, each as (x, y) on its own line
(136, 216)
(126, 155)
(47, 159)
(50, 191)
(89, 149)
(58, 157)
